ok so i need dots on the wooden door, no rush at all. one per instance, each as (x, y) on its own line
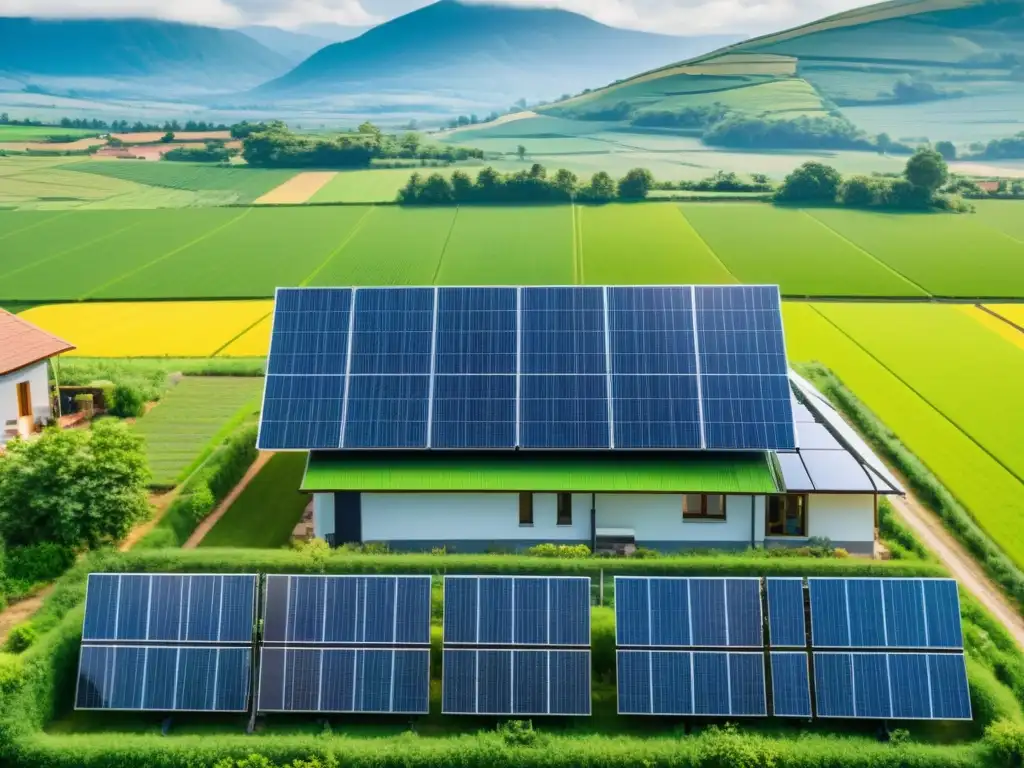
(24, 400)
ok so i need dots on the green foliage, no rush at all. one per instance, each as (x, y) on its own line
(75, 488)
(947, 149)
(37, 563)
(1005, 744)
(128, 401)
(804, 132)
(900, 539)
(213, 152)
(927, 170)
(812, 182)
(861, 191)
(1011, 148)
(635, 184)
(727, 181)
(601, 189)
(518, 733)
(558, 550)
(21, 637)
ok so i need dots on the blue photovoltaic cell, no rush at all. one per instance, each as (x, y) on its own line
(833, 684)
(562, 331)
(942, 613)
(633, 612)
(908, 686)
(517, 610)
(711, 684)
(690, 682)
(791, 688)
(163, 678)
(707, 613)
(205, 608)
(743, 612)
(310, 331)
(476, 331)
(569, 692)
(669, 679)
(669, 611)
(867, 623)
(950, 698)
(746, 685)
(871, 685)
(563, 412)
(739, 330)
(302, 412)
(458, 694)
(393, 331)
(387, 412)
(904, 613)
(656, 411)
(530, 681)
(830, 623)
(747, 412)
(474, 412)
(493, 682)
(651, 330)
(786, 624)
(365, 610)
(633, 683)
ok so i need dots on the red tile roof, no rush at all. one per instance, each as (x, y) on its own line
(22, 343)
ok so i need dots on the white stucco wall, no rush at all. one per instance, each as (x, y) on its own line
(842, 517)
(659, 518)
(37, 377)
(323, 514)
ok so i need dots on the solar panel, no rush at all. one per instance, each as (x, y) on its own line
(885, 613)
(584, 367)
(519, 610)
(688, 612)
(366, 680)
(786, 626)
(896, 686)
(516, 682)
(791, 686)
(690, 683)
(200, 608)
(354, 610)
(163, 678)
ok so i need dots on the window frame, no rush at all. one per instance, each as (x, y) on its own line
(526, 505)
(803, 503)
(703, 515)
(565, 499)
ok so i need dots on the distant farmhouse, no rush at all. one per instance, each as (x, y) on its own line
(24, 376)
(617, 417)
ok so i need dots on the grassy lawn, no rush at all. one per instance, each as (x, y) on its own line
(191, 419)
(265, 513)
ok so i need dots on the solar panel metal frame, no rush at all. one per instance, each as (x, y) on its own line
(512, 651)
(693, 688)
(347, 644)
(849, 616)
(608, 374)
(220, 643)
(165, 646)
(890, 716)
(514, 645)
(355, 651)
(725, 579)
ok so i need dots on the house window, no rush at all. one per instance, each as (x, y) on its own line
(697, 506)
(786, 515)
(526, 509)
(564, 509)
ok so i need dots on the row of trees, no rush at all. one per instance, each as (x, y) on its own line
(533, 185)
(116, 126)
(213, 152)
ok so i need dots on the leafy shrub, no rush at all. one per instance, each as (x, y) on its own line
(899, 736)
(21, 637)
(518, 733)
(728, 747)
(201, 502)
(812, 182)
(1005, 743)
(558, 550)
(39, 562)
(645, 553)
(129, 401)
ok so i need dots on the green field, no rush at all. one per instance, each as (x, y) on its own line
(265, 513)
(41, 132)
(1003, 216)
(191, 419)
(992, 494)
(248, 252)
(373, 186)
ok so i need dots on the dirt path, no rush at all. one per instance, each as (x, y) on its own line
(204, 527)
(960, 562)
(160, 504)
(21, 611)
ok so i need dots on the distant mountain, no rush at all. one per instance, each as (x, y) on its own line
(116, 54)
(294, 46)
(485, 55)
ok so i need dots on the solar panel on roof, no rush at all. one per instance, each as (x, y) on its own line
(786, 626)
(791, 687)
(163, 678)
(200, 608)
(366, 610)
(575, 365)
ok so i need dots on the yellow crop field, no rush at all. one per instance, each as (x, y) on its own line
(997, 325)
(1012, 312)
(253, 343)
(150, 329)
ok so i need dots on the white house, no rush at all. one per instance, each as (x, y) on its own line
(24, 377)
(361, 378)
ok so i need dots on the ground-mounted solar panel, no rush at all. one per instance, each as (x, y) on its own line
(529, 682)
(786, 622)
(688, 612)
(164, 678)
(359, 680)
(791, 686)
(885, 613)
(704, 683)
(169, 608)
(517, 610)
(347, 610)
(891, 686)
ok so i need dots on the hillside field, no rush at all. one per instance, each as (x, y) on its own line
(41, 133)
(223, 253)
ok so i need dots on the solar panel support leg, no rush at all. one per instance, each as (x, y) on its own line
(165, 726)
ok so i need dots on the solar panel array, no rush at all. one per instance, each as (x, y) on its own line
(584, 367)
(346, 644)
(517, 645)
(167, 642)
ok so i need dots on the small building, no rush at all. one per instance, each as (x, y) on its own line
(25, 350)
(496, 421)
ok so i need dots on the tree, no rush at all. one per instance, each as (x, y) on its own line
(411, 191)
(521, 152)
(565, 182)
(601, 188)
(436, 190)
(168, 137)
(636, 184)
(859, 192)
(369, 128)
(947, 149)
(76, 488)
(810, 183)
(883, 142)
(538, 171)
(462, 186)
(904, 194)
(926, 169)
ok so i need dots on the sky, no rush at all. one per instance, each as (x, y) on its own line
(681, 17)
